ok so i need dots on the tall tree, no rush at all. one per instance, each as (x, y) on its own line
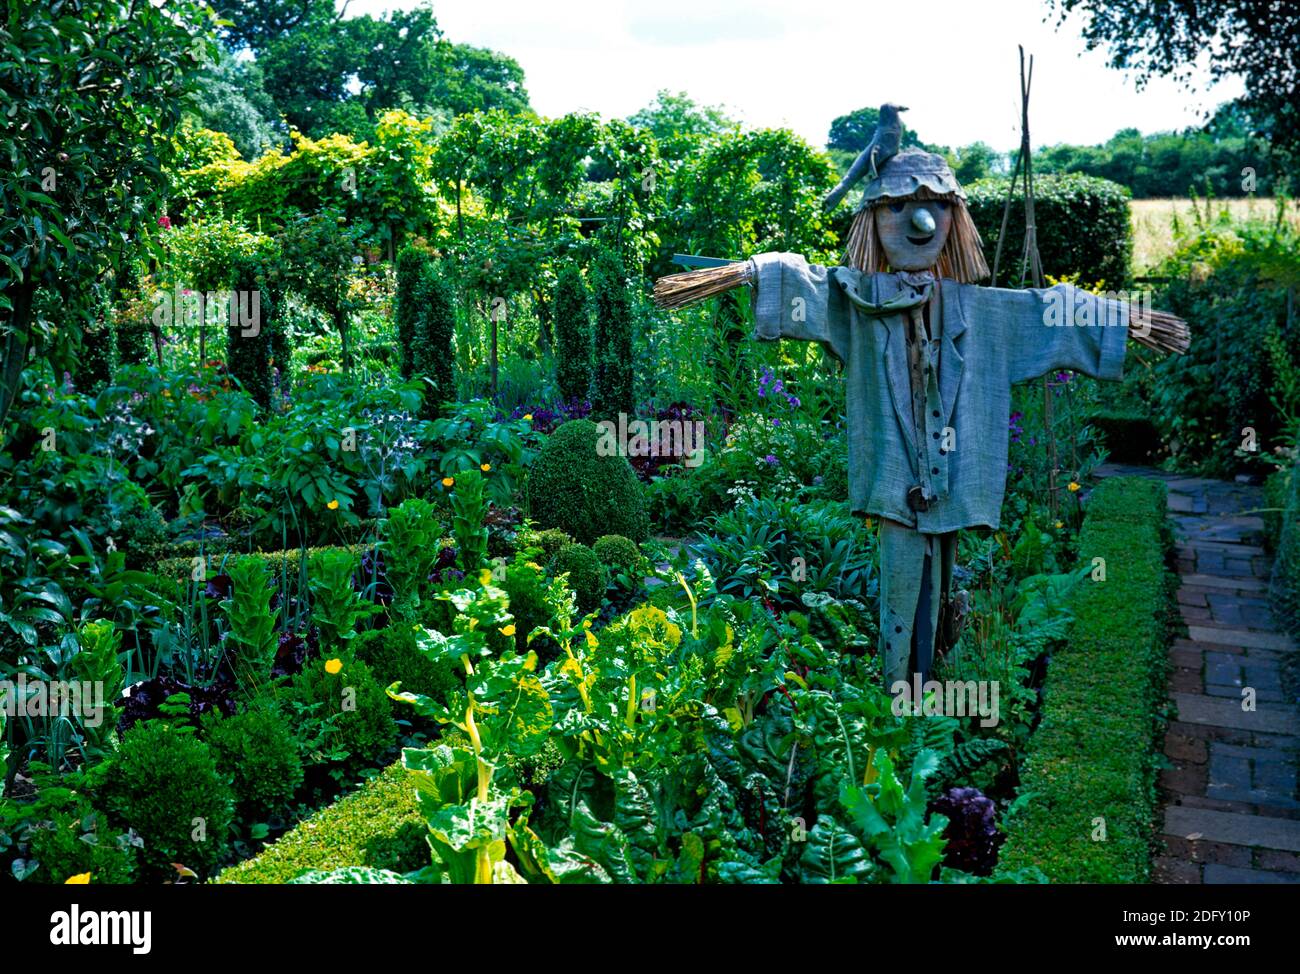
(1256, 39)
(90, 90)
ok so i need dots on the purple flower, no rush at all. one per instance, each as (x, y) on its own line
(771, 460)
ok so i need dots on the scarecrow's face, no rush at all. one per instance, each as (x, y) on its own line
(913, 232)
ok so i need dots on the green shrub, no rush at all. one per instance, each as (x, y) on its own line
(406, 308)
(344, 716)
(586, 574)
(1285, 586)
(251, 345)
(1082, 224)
(1227, 281)
(618, 554)
(551, 540)
(433, 353)
(525, 585)
(1096, 752)
(164, 783)
(572, 335)
(76, 841)
(378, 826)
(393, 657)
(122, 510)
(256, 751)
(612, 309)
(573, 488)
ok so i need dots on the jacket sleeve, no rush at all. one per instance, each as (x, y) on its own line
(1062, 327)
(795, 299)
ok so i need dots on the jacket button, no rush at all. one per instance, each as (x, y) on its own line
(934, 470)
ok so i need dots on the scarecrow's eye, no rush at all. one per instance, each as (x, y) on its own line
(896, 207)
(942, 204)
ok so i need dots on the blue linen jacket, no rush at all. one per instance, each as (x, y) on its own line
(988, 339)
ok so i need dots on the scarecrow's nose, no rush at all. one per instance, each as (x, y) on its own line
(922, 220)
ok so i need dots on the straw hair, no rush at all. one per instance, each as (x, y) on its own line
(962, 257)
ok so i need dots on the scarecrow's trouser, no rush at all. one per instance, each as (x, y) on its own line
(915, 572)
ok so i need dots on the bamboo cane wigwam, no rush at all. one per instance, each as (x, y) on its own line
(680, 290)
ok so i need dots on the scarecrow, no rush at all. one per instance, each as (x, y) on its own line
(929, 360)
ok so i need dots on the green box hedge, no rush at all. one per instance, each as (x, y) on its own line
(1082, 222)
(378, 826)
(1285, 539)
(286, 562)
(1094, 756)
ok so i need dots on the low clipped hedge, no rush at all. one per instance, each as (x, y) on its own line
(1094, 755)
(287, 562)
(1284, 588)
(379, 826)
(1082, 224)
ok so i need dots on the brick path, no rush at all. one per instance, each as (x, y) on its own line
(1231, 813)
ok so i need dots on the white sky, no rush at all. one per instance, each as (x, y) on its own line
(800, 63)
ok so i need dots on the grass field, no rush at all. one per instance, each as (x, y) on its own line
(1153, 221)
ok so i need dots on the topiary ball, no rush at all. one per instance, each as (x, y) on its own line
(618, 554)
(586, 574)
(257, 752)
(573, 487)
(164, 783)
(551, 541)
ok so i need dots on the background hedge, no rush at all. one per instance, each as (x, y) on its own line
(1083, 227)
(1095, 754)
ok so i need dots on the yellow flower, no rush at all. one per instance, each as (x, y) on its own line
(586, 623)
(1072, 486)
(485, 467)
(533, 565)
(528, 416)
(333, 505)
(333, 666)
(591, 639)
(1059, 525)
(508, 630)
(485, 577)
(448, 481)
(81, 879)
